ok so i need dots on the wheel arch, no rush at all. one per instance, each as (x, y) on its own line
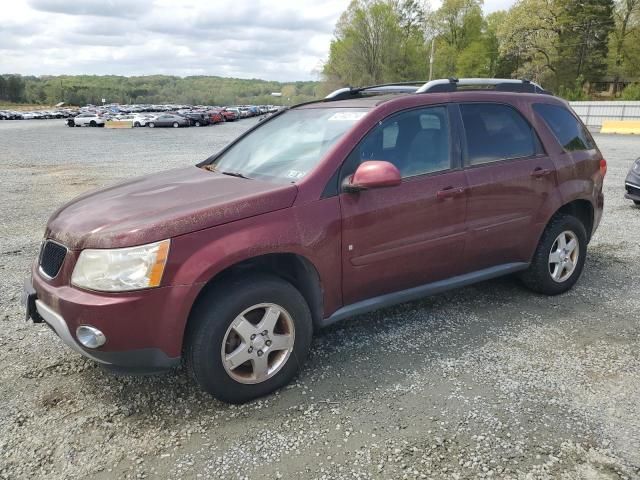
(580, 208)
(292, 267)
(583, 210)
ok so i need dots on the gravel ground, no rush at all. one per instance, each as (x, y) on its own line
(487, 381)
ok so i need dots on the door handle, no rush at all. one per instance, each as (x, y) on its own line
(540, 172)
(450, 192)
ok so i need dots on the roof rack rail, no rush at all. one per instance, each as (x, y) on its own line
(499, 84)
(397, 87)
(440, 85)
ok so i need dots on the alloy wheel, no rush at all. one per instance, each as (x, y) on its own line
(258, 343)
(563, 256)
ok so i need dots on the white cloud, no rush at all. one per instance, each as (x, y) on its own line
(278, 40)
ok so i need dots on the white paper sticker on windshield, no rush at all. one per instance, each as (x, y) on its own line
(295, 174)
(346, 116)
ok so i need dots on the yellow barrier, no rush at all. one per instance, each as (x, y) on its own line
(118, 124)
(621, 126)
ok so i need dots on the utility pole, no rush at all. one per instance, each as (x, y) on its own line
(433, 42)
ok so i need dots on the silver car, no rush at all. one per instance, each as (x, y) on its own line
(168, 120)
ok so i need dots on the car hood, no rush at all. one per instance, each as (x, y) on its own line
(163, 205)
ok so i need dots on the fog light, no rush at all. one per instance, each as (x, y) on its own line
(90, 337)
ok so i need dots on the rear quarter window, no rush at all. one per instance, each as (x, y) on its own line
(569, 132)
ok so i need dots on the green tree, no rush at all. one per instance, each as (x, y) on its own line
(584, 28)
(378, 41)
(205, 90)
(412, 16)
(624, 54)
(365, 45)
(15, 88)
(3, 88)
(565, 40)
(529, 41)
(461, 48)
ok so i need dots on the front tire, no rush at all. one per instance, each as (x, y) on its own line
(248, 338)
(152, 125)
(92, 123)
(176, 124)
(637, 202)
(559, 258)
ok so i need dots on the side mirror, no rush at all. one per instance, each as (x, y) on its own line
(373, 174)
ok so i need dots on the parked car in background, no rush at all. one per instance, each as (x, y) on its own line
(197, 119)
(168, 120)
(235, 111)
(369, 198)
(87, 120)
(142, 119)
(216, 116)
(5, 115)
(229, 115)
(136, 119)
(245, 112)
(632, 183)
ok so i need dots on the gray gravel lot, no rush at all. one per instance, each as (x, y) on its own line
(487, 381)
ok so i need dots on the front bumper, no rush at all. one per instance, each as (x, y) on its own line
(632, 187)
(144, 333)
(57, 323)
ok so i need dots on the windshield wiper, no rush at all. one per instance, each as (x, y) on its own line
(233, 174)
(212, 168)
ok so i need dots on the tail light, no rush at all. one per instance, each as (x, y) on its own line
(603, 167)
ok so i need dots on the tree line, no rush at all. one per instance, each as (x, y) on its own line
(153, 89)
(572, 47)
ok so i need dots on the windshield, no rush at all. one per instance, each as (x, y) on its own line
(289, 146)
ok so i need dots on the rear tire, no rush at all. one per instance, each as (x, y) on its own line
(637, 202)
(176, 124)
(92, 123)
(136, 125)
(152, 125)
(197, 124)
(559, 258)
(222, 327)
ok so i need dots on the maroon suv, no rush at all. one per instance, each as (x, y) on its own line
(369, 198)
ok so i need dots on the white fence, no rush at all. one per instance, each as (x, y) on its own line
(593, 113)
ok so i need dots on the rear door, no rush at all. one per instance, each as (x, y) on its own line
(509, 177)
(408, 235)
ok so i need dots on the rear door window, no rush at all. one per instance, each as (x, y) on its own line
(565, 126)
(495, 132)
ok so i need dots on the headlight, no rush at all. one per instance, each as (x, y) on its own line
(636, 166)
(121, 269)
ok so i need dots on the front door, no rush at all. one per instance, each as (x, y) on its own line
(408, 235)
